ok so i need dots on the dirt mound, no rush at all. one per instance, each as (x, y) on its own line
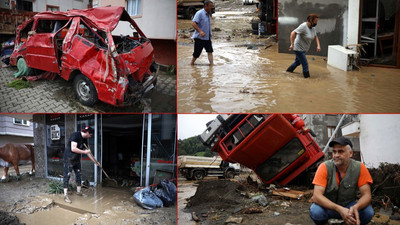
(219, 194)
(9, 219)
(386, 184)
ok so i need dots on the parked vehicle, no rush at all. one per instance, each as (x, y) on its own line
(277, 147)
(267, 21)
(188, 8)
(79, 46)
(196, 167)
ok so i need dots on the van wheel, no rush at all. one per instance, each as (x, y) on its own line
(198, 175)
(229, 174)
(190, 12)
(85, 90)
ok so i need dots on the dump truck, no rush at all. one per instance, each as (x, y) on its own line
(187, 8)
(197, 167)
(277, 147)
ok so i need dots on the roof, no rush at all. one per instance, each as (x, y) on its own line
(105, 18)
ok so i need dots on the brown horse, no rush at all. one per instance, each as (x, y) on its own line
(13, 153)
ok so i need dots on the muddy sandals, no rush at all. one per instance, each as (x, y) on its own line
(66, 199)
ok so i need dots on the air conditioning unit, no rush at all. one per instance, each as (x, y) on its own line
(342, 58)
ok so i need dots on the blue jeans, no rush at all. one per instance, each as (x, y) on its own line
(300, 59)
(321, 215)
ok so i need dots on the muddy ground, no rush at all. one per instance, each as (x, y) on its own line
(220, 201)
(28, 201)
(249, 75)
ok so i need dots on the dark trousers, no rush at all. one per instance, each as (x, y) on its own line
(68, 167)
(321, 215)
(300, 59)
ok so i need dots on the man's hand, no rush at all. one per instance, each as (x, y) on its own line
(318, 48)
(87, 151)
(347, 216)
(291, 48)
(354, 211)
(202, 34)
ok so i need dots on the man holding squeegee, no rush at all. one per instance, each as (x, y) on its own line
(72, 158)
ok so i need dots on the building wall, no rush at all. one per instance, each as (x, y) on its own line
(41, 6)
(14, 133)
(379, 138)
(331, 28)
(319, 123)
(40, 144)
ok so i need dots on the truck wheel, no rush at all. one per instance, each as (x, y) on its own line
(198, 175)
(85, 90)
(230, 174)
(190, 12)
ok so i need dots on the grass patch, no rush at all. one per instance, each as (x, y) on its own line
(20, 84)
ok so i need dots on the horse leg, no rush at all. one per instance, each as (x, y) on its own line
(5, 173)
(16, 170)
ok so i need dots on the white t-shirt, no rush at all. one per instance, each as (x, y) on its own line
(304, 37)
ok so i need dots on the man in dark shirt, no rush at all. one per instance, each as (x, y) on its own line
(72, 158)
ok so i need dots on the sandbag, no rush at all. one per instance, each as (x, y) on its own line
(147, 199)
(166, 191)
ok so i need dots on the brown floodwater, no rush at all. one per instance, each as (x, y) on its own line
(255, 79)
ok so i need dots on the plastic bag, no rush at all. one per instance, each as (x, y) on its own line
(166, 191)
(147, 199)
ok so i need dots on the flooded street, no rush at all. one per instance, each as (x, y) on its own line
(250, 75)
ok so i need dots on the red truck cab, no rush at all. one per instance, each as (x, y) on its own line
(276, 146)
(79, 46)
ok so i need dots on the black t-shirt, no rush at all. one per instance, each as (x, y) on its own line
(72, 156)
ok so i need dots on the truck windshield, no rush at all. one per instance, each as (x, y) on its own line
(281, 159)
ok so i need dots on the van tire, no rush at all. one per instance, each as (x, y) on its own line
(85, 90)
(198, 175)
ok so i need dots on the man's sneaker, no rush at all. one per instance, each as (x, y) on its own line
(66, 199)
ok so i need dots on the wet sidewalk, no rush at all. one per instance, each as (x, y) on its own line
(57, 96)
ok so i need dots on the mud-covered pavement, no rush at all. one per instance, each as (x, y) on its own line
(250, 75)
(217, 201)
(28, 200)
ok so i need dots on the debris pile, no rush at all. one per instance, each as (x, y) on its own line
(386, 187)
(7, 218)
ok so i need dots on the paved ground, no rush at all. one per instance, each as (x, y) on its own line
(57, 97)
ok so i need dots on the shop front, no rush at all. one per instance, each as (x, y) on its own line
(137, 149)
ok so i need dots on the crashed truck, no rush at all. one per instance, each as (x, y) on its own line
(80, 47)
(198, 167)
(277, 147)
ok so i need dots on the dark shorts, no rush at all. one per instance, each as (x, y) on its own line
(199, 45)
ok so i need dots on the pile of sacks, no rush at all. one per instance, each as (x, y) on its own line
(164, 194)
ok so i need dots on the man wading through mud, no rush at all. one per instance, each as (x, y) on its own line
(336, 183)
(72, 158)
(202, 35)
(300, 41)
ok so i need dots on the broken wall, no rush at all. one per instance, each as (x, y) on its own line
(331, 28)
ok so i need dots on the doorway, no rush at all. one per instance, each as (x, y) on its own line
(380, 32)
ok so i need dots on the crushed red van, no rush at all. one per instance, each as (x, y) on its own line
(80, 47)
(277, 147)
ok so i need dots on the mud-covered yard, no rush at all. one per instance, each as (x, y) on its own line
(29, 202)
(214, 201)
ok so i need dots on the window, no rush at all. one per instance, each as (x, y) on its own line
(52, 8)
(21, 122)
(330, 131)
(134, 7)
